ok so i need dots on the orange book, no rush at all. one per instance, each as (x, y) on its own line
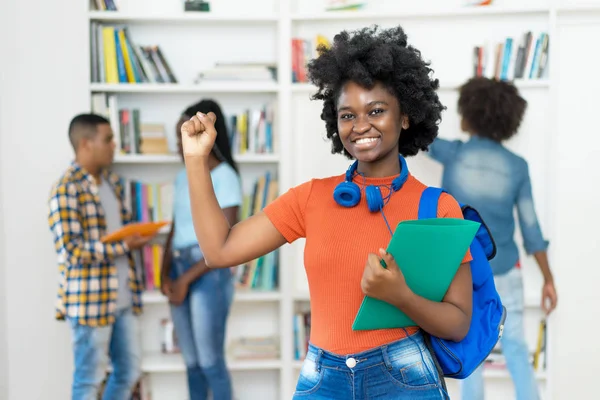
(140, 228)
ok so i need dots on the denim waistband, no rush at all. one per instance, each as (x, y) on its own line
(369, 358)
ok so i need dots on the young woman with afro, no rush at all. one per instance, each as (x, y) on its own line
(379, 106)
(483, 173)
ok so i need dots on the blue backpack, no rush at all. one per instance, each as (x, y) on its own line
(459, 359)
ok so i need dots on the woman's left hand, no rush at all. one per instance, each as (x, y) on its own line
(386, 284)
(179, 291)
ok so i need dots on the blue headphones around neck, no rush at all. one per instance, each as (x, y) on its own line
(347, 193)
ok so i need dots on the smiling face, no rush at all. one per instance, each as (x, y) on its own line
(369, 123)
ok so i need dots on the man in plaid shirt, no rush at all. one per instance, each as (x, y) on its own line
(99, 291)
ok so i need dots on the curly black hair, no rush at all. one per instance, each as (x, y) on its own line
(370, 55)
(491, 108)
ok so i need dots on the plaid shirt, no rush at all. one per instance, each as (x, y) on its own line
(87, 287)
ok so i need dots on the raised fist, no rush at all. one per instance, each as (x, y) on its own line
(198, 135)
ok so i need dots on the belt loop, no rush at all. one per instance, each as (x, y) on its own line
(386, 358)
(318, 360)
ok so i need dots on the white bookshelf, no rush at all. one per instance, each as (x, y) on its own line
(199, 89)
(406, 13)
(444, 86)
(234, 31)
(176, 159)
(146, 17)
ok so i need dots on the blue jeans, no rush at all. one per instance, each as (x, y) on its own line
(513, 344)
(91, 348)
(399, 370)
(200, 324)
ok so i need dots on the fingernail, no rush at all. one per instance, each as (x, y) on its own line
(200, 114)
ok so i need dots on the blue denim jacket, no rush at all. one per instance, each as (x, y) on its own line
(492, 179)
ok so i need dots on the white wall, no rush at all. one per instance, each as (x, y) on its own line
(577, 239)
(3, 342)
(3, 349)
(44, 74)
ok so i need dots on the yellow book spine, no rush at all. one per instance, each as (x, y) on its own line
(126, 58)
(110, 54)
(538, 348)
(156, 256)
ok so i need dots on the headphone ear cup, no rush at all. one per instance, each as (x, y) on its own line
(347, 194)
(374, 198)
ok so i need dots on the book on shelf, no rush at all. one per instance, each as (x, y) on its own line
(524, 57)
(131, 134)
(301, 327)
(104, 5)
(150, 202)
(254, 348)
(115, 58)
(251, 131)
(344, 5)
(477, 3)
(169, 343)
(242, 71)
(150, 259)
(304, 50)
(260, 273)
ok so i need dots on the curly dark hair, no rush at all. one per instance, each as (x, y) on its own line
(370, 55)
(490, 108)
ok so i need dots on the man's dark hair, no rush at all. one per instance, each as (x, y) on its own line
(372, 55)
(490, 108)
(84, 126)
(222, 146)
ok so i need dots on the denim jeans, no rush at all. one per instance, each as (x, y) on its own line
(91, 348)
(200, 325)
(513, 344)
(400, 370)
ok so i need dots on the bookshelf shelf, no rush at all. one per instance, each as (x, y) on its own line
(579, 8)
(444, 86)
(496, 373)
(440, 13)
(122, 17)
(159, 362)
(169, 88)
(241, 296)
(250, 158)
(147, 159)
(176, 159)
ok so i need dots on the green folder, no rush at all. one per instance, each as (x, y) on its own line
(428, 252)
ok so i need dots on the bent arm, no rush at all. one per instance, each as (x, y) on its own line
(64, 220)
(533, 239)
(222, 244)
(449, 319)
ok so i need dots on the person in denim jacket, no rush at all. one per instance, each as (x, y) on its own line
(200, 298)
(483, 173)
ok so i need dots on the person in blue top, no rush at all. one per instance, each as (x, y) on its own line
(200, 297)
(483, 173)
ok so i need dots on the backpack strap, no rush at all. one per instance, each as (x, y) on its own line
(484, 235)
(428, 205)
